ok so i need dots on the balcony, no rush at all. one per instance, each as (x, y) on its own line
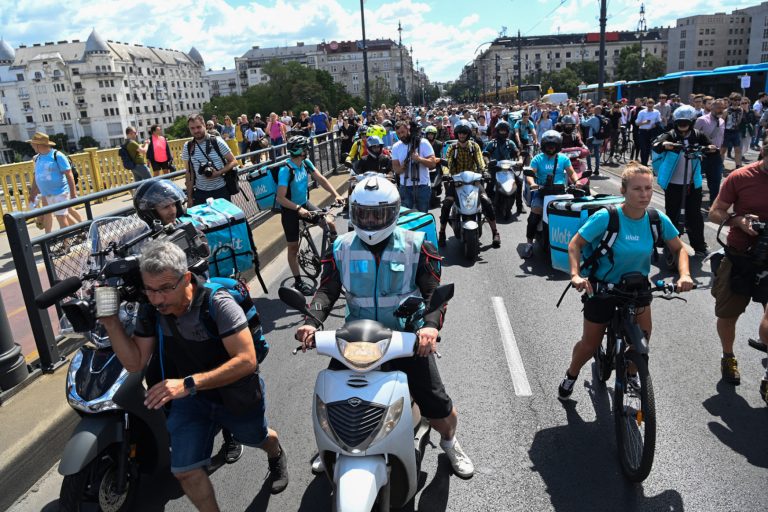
(26, 109)
(23, 95)
(78, 90)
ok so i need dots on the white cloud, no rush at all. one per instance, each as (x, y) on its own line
(469, 20)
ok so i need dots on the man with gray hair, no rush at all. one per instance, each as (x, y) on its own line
(208, 368)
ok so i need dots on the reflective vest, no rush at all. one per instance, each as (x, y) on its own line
(374, 290)
(665, 163)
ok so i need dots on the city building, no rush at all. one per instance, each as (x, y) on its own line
(221, 82)
(758, 33)
(95, 89)
(542, 54)
(250, 65)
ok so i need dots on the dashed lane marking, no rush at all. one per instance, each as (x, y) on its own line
(514, 361)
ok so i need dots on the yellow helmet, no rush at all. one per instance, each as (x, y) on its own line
(376, 131)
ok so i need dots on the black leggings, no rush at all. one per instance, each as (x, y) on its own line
(694, 221)
(533, 225)
(450, 198)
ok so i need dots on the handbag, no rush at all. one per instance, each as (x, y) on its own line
(231, 181)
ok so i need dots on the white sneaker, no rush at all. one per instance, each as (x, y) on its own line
(462, 465)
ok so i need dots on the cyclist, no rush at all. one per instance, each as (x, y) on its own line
(361, 264)
(293, 198)
(466, 155)
(502, 148)
(631, 252)
(525, 135)
(551, 168)
(678, 179)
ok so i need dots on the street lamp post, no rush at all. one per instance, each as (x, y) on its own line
(401, 78)
(365, 64)
(601, 62)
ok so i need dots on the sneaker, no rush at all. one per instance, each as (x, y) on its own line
(441, 239)
(318, 467)
(232, 450)
(730, 370)
(528, 251)
(303, 287)
(461, 463)
(764, 390)
(566, 388)
(700, 253)
(596, 173)
(496, 240)
(278, 472)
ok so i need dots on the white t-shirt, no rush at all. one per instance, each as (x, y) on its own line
(400, 153)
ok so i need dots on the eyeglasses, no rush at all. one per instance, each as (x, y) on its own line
(165, 290)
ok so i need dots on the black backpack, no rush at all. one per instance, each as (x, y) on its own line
(612, 233)
(128, 162)
(604, 130)
(73, 168)
(230, 177)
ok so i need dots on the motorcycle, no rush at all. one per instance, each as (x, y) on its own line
(117, 438)
(577, 155)
(508, 179)
(371, 443)
(466, 217)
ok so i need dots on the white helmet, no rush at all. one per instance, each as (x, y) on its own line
(373, 208)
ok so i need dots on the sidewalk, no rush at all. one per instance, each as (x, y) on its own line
(36, 422)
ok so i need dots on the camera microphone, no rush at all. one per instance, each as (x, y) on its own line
(57, 292)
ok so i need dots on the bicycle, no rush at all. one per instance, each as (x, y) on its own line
(308, 256)
(625, 348)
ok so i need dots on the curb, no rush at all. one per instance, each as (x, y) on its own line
(30, 443)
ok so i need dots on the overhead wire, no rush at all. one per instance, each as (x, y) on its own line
(550, 13)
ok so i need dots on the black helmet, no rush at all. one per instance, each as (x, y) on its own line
(462, 127)
(568, 119)
(297, 144)
(387, 124)
(551, 142)
(502, 125)
(157, 193)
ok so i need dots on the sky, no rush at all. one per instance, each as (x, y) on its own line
(445, 35)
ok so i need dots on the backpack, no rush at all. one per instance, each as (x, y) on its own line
(612, 233)
(455, 148)
(239, 291)
(603, 131)
(128, 163)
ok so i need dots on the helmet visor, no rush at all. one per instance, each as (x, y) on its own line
(373, 218)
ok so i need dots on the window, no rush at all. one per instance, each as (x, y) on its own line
(684, 32)
(83, 113)
(65, 116)
(75, 71)
(47, 118)
(680, 65)
(682, 54)
(29, 119)
(567, 55)
(19, 77)
(38, 75)
(106, 112)
(682, 46)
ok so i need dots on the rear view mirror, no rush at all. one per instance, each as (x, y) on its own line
(440, 296)
(294, 299)
(586, 174)
(409, 306)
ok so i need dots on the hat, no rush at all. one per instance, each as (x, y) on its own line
(42, 139)
(257, 115)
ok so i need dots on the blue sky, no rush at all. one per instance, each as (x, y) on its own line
(444, 35)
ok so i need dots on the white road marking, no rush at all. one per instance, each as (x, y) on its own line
(514, 361)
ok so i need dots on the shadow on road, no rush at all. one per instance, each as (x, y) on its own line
(744, 429)
(434, 497)
(580, 468)
(317, 496)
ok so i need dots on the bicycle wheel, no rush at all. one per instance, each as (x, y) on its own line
(604, 356)
(635, 414)
(309, 259)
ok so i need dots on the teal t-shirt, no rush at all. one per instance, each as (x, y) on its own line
(633, 247)
(299, 191)
(525, 129)
(545, 167)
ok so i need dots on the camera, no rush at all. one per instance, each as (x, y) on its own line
(207, 170)
(759, 250)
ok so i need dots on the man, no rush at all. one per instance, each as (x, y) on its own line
(361, 264)
(646, 123)
(525, 133)
(732, 134)
(216, 125)
(159, 152)
(712, 125)
(466, 155)
(53, 179)
(665, 110)
(210, 128)
(502, 148)
(207, 159)
(319, 121)
(197, 368)
(758, 107)
(594, 137)
(242, 128)
(633, 112)
(615, 123)
(286, 119)
(412, 158)
(698, 105)
(137, 155)
(740, 277)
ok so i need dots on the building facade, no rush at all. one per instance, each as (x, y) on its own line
(251, 64)
(221, 82)
(97, 88)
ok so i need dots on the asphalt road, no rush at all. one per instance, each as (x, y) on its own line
(530, 452)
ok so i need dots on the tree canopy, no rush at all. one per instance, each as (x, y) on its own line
(629, 67)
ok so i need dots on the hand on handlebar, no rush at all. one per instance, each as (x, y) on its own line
(427, 341)
(684, 284)
(582, 285)
(303, 213)
(306, 336)
(744, 223)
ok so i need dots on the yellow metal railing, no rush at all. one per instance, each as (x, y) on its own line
(98, 169)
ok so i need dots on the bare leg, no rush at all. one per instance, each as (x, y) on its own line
(446, 426)
(198, 488)
(293, 261)
(726, 329)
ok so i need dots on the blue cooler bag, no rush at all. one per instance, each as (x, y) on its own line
(264, 186)
(228, 234)
(414, 220)
(566, 216)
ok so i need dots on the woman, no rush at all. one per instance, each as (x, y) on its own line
(544, 123)
(347, 135)
(159, 152)
(631, 253)
(228, 131)
(276, 131)
(747, 126)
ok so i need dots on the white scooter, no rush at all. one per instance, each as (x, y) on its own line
(466, 213)
(370, 435)
(508, 179)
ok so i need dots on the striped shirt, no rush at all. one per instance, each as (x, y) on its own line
(200, 158)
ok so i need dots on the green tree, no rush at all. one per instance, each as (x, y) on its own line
(587, 71)
(22, 148)
(87, 141)
(381, 93)
(629, 67)
(61, 140)
(179, 129)
(562, 80)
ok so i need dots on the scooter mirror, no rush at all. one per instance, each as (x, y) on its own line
(409, 306)
(294, 299)
(527, 171)
(440, 296)
(586, 174)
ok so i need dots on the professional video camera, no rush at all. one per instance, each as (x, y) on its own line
(759, 250)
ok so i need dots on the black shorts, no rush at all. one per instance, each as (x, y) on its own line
(599, 310)
(424, 382)
(290, 221)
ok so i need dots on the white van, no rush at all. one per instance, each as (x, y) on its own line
(556, 98)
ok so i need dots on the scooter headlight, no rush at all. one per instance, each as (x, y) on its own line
(391, 419)
(322, 417)
(361, 354)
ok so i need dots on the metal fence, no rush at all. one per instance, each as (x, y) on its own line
(64, 251)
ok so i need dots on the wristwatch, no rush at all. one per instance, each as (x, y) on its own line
(189, 385)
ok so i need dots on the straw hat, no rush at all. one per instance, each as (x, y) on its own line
(42, 139)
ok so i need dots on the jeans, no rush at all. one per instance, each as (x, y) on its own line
(712, 166)
(141, 172)
(757, 133)
(596, 154)
(423, 194)
(645, 145)
(694, 221)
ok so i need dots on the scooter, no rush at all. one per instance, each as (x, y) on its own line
(371, 443)
(508, 180)
(466, 217)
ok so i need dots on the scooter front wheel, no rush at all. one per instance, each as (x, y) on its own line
(94, 486)
(471, 244)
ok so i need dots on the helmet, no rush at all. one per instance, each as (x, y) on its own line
(684, 113)
(362, 131)
(430, 129)
(376, 131)
(502, 125)
(154, 194)
(462, 127)
(551, 142)
(387, 124)
(297, 144)
(373, 208)
(374, 140)
(568, 119)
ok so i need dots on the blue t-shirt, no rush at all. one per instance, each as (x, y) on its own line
(299, 191)
(49, 174)
(633, 247)
(525, 129)
(320, 120)
(544, 165)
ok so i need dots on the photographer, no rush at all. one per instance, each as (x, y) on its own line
(211, 380)
(741, 274)
(412, 158)
(207, 160)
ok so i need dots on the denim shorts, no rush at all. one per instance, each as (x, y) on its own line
(537, 199)
(194, 422)
(732, 139)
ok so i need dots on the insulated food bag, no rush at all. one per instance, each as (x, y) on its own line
(415, 220)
